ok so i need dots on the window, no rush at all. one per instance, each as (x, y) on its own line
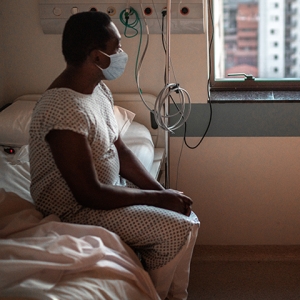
(255, 37)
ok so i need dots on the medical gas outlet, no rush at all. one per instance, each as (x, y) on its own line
(186, 15)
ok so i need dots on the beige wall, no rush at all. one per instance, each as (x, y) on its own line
(32, 59)
(2, 70)
(245, 190)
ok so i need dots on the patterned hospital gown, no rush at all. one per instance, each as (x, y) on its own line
(157, 234)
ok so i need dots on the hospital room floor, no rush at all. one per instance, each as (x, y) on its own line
(245, 273)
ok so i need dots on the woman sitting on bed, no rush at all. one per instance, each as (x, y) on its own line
(78, 161)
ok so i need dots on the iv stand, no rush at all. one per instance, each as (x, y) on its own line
(167, 105)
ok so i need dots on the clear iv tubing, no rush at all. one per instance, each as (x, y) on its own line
(181, 112)
(162, 99)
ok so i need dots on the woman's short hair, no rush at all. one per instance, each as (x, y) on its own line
(83, 33)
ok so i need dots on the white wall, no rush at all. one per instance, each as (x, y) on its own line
(245, 190)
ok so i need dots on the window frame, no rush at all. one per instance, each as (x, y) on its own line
(241, 84)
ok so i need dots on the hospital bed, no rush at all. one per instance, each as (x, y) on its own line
(43, 258)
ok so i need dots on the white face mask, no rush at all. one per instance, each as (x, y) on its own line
(116, 67)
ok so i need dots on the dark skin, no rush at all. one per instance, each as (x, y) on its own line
(73, 155)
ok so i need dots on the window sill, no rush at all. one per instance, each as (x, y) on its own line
(254, 96)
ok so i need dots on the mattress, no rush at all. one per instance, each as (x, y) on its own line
(15, 168)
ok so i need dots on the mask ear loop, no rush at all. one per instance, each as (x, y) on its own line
(104, 53)
(106, 56)
(120, 50)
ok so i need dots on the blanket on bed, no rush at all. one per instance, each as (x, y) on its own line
(44, 258)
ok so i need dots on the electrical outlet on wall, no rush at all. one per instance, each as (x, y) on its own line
(186, 15)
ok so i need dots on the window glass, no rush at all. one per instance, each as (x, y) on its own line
(255, 44)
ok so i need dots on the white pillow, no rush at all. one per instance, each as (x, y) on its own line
(124, 118)
(14, 123)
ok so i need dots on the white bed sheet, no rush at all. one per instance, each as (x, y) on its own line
(46, 259)
(15, 172)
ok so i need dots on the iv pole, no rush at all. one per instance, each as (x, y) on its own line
(167, 106)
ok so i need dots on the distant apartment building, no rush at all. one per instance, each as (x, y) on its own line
(261, 37)
(272, 52)
(241, 36)
(295, 6)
